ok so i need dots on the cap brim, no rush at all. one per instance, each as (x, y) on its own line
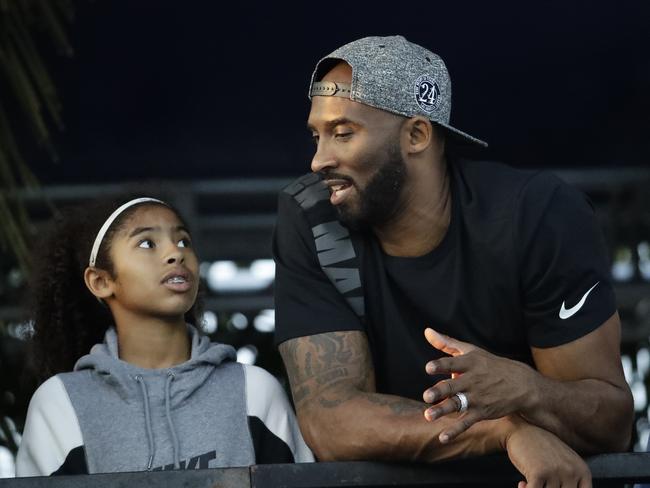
(461, 137)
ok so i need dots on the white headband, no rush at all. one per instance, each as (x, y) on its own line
(109, 221)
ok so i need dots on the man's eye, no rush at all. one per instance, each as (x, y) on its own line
(185, 242)
(314, 139)
(343, 135)
(146, 244)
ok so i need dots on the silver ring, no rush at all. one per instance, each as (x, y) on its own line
(464, 403)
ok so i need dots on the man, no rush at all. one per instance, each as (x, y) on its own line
(393, 235)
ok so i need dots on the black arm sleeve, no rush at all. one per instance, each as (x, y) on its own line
(565, 274)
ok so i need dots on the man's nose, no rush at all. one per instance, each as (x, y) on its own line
(323, 159)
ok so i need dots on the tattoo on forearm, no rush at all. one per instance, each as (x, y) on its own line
(329, 376)
(300, 393)
(336, 400)
(317, 363)
(308, 367)
(399, 406)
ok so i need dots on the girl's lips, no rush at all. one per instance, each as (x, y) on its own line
(178, 280)
(180, 286)
(177, 272)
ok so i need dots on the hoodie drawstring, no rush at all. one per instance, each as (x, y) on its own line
(176, 445)
(147, 420)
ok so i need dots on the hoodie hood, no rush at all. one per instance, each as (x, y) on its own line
(188, 376)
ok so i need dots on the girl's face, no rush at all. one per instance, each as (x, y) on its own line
(155, 267)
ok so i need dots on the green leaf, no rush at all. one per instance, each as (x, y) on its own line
(27, 88)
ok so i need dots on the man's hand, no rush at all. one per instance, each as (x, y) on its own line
(494, 386)
(545, 460)
(577, 392)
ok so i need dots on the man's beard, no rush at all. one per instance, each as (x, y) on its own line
(380, 200)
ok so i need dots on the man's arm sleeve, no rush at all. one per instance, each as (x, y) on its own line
(565, 278)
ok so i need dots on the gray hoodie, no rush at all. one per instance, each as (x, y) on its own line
(108, 415)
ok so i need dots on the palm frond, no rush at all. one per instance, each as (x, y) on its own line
(29, 95)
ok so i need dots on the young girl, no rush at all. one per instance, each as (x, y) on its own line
(154, 394)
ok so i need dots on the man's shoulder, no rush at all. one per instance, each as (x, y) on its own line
(496, 175)
(495, 184)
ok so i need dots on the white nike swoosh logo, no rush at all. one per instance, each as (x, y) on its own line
(565, 313)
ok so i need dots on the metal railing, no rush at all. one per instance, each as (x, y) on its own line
(607, 470)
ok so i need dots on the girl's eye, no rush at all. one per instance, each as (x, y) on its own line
(185, 242)
(146, 244)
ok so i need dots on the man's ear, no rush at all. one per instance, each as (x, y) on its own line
(99, 282)
(421, 135)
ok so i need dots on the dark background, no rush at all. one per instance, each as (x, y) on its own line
(205, 90)
(195, 90)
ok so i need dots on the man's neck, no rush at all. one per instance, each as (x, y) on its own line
(425, 215)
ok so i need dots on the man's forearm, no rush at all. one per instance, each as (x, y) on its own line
(589, 415)
(343, 418)
(382, 427)
(356, 425)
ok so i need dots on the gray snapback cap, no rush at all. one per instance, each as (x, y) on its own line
(393, 74)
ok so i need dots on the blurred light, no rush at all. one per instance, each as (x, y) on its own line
(640, 395)
(626, 362)
(642, 430)
(263, 269)
(21, 330)
(222, 271)
(265, 321)
(239, 321)
(209, 322)
(225, 276)
(643, 362)
(15, 278)
(642, 445)
(11, 426)
(7, 463)
(644, 260)
(247, 354)
(623, 268)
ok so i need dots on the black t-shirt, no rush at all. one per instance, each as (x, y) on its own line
(522, 250)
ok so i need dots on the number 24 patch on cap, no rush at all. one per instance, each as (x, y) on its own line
(426, 93)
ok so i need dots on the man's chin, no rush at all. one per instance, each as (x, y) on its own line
(351, 218)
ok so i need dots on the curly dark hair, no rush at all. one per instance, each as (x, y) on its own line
(67, 318)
